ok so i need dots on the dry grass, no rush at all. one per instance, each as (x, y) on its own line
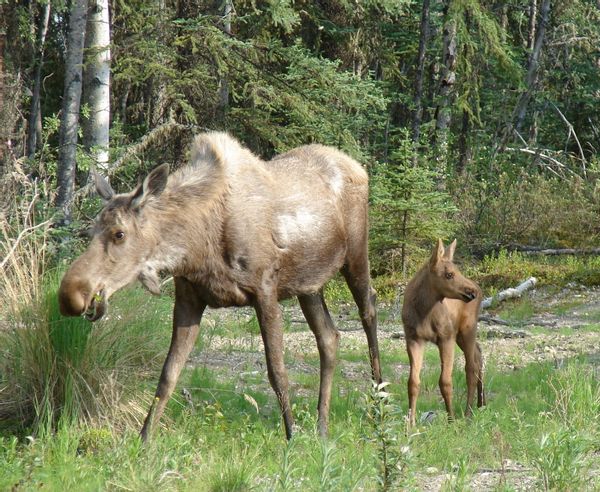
(54, 368)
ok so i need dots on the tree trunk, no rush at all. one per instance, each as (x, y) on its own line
(69, 121)
(34, 122)
(97, 83)
(464, 149)
(3, 139)
(503, 20)
(446, 93)
(533, 66)
(423, 38)
(520, 110)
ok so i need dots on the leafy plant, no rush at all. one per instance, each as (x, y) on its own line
(560, 460)
(385, 425)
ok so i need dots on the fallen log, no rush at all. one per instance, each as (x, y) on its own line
(536, 250)
(509, 293)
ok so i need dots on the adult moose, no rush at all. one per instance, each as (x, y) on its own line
(234, 230)
(442, 306)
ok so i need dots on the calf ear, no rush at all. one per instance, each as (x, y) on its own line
(153, 185)
(103, 187)
(449, 254)
(436, 254)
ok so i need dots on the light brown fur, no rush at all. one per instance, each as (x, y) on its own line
(235, 231)
(442, 306)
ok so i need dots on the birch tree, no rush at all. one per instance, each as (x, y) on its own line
(97, 83)
(69, 121)
(533, 65)
(520, 110)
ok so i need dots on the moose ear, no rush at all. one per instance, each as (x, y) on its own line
(449, 254)
(103, 187)
(153, 185)
(436, 254)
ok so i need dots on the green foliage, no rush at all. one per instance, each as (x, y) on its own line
(385, 424)
(502, 269)
(514, 209)
(407, 211)
(560, 460)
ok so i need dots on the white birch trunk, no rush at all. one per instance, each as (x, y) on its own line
(69, 121)
(97, 83)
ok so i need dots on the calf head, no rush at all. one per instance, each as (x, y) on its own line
(445, 277)
(123, 241)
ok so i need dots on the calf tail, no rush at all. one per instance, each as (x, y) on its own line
(480, 388)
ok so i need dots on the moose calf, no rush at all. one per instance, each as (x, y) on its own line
(442, 306)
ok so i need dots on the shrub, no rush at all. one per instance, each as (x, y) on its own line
(519, 208)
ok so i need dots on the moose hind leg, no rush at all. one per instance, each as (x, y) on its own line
(357, 276)
(472, 367)
(271, 329)
(480, 389)
(187, 314)
(320, 322)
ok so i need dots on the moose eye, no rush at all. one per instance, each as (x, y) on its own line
(449, 275)
(119, 235)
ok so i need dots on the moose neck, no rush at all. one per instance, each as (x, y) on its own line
(426, 295)
(188, 227)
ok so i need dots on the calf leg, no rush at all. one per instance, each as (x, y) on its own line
(467, 344)
(320, 322)
(473, 369)
(446, 348)
(271, 329)
(357, 276)
(415, 349)
(187, 314)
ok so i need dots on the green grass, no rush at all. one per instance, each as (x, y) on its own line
(222, 443)
(517, 311)
(230, 435)
(56, 370)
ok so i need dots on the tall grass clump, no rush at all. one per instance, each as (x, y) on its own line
(56, 370)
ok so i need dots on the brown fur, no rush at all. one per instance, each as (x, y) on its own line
(236, 231)
(442, 306)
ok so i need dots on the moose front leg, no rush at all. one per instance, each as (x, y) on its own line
(446, 349)
(187, 314)
(271, 329)
(320, 322)
(415, 348)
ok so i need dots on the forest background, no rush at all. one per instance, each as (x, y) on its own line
(474, 119)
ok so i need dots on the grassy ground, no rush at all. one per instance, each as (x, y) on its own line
(539, 431)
